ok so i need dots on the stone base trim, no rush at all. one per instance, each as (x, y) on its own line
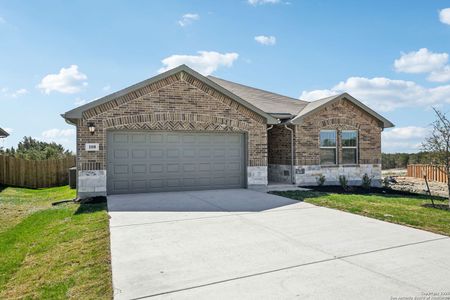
(257, 175)
(308, 174)
(91, 183)
(280, 173)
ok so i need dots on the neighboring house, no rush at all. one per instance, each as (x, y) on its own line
(3, 133)
(183, 131)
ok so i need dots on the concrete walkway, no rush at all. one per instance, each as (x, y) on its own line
(242, 244)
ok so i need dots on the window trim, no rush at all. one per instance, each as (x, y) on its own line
(335, 147)
(351, 147)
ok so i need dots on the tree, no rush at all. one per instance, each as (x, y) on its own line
(438, 143)
(33, 149)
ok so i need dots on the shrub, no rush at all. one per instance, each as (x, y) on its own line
(320, 180)
(366, 181)
(386, 182)
(343, 182)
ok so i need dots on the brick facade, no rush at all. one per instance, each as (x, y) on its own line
(181, 102)
(342, 115)
(178, 102)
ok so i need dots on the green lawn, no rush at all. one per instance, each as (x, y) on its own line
(46, 252)
(405, 210)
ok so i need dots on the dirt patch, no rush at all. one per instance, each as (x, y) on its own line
(418, 186)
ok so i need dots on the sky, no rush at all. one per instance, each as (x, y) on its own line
(391, 55)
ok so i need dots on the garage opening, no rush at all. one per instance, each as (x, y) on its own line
(157, 161)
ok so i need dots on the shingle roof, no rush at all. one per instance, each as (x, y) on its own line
(274, 107)
(3, 133)
(267, 101)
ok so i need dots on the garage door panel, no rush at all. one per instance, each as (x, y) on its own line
(139, 169)
(156, 168)
(121, 154)
(204, 152)
(188, 153)
(189, 167)
(173, 138)
(173, 153)
(156, 153)
(121, 138)
(174, 182)
(174, 161)
(139, 185)
(121, 185)
(138, 138)
(156, 183)
(139, 153)
(189, 139)
(172, 168)
(189, 182)
(156, 138)
(120, 170)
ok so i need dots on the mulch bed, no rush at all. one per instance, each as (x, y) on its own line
(337, 189)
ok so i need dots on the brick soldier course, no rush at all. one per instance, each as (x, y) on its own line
(183, 100)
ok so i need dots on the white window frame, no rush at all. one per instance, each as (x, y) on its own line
(351, 147)
(329, 147)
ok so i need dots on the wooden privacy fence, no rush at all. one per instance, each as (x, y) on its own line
(35, 173)
(433, 172)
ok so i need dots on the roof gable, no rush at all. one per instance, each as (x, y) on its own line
(133, 92)
(315, 106)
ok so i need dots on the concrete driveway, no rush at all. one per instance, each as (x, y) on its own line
(241, 244)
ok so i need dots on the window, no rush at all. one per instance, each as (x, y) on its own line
(328, 151)
(349, 146)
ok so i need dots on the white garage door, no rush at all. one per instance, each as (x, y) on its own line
(156, 161)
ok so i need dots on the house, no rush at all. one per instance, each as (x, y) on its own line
(182, 131)
(3, 133)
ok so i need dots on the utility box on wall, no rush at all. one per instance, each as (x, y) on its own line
(73, 178)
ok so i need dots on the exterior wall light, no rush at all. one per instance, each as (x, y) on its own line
(91, 127)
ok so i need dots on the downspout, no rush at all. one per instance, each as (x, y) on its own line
(268, 128)
(292, 153)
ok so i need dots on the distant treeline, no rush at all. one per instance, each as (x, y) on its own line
(401, 160)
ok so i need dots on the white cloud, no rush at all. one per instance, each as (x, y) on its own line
(405, 133)
(444, 16)
(65, 137)
(14, 94)
(188, 19)
(441, 75)
(403, 139)
(19, 92)
(206, 62)
(68, 81)
(385, 94)
(421, 61)
(58, 133)
(259, 2)
(266, 40)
